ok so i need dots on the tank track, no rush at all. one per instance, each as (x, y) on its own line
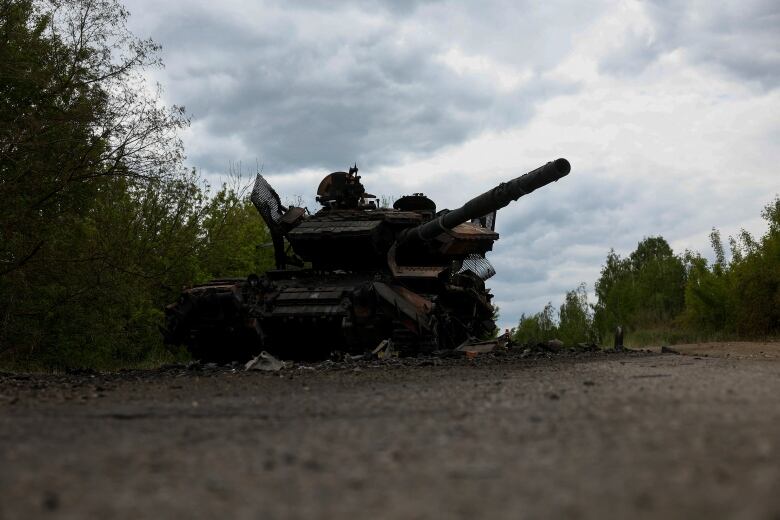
(406, 342)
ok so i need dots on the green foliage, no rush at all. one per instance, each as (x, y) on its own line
(659, 297)
(236, 241)
(740, 297)
(100, 225)
(614, 292)
(572, 324)
(576, 318)
(707, 306)
(641, 291)
(539, 328)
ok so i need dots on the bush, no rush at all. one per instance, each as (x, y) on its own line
(538, 328)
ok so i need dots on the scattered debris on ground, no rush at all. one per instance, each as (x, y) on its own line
(472, 348)
(386, 356)
(265, 361)
(384, 350)
(85, 385)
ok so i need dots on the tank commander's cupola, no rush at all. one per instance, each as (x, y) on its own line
(343, 190)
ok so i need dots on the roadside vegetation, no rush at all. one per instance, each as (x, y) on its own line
(658, 296)
(101, 224)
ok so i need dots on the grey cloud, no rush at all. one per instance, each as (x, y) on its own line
(635, 54)
(297, 93)
(393, 6)
(740, 38)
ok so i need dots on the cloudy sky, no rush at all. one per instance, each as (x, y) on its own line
(668, 111)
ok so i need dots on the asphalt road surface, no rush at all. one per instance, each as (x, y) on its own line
(563, 436)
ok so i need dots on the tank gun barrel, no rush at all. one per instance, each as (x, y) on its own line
(490, 201)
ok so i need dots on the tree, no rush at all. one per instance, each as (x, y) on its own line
(614, 299)
(575, 317)
(753, 279)
(538, 328)
(742, 296)
(99, 218)
(236, 241)
(707, 306)
(75, 116)
(659, 278)
(643, 290)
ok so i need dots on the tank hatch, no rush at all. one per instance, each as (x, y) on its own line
(416, 202)
(343, 190)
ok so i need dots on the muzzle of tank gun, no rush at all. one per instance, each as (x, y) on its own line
(490, 201)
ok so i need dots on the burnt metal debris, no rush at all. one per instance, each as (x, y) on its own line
(355, 274)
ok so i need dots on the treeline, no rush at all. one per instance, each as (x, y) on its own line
(101, 224)
(659, 296)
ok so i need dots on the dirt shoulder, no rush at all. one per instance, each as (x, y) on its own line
(588, 435)
(747, 350)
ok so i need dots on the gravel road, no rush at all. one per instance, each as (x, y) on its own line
(590, 435)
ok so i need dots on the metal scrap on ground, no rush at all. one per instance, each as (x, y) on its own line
(265, 361)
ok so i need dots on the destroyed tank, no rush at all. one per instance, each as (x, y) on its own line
(354, 274)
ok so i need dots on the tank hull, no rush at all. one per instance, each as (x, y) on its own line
(309, 314)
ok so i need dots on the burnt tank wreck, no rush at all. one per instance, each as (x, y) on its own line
(354, 274)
